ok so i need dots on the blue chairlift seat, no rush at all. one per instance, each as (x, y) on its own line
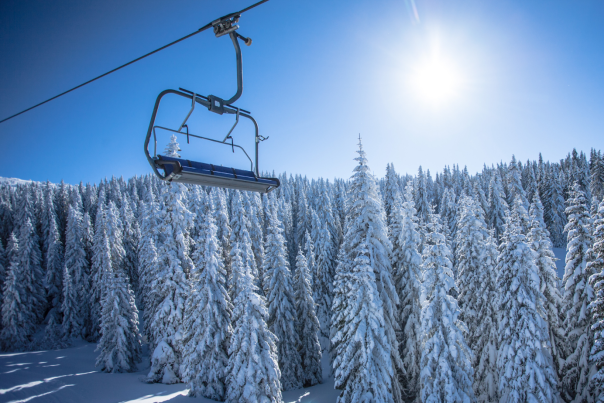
(198, 173)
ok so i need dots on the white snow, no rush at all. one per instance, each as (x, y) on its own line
(69, 376)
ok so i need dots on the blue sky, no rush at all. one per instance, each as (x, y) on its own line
(528, 80)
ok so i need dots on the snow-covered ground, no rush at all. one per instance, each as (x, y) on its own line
(14, 181)
(69, 375)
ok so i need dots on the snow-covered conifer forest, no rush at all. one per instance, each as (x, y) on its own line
(408, 288)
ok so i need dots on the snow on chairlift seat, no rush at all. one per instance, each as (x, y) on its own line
(199, 173)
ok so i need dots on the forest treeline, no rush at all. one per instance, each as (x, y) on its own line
(413, 288)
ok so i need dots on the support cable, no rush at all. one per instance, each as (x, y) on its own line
(209, 25)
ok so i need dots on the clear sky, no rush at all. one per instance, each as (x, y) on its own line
(425, 83)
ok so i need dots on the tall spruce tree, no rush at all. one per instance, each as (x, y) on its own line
(207, 324)
(323, 276)
(539, 241)
(120, 344)
(596, 266)
(498, 208)
(281, 308)
(406, 266)
(526, 370)
(54, 263)
(578, 293)
(170, 287)
(253, 369)
(77, 266)
(366, 245)
(18, 321)
(307, 324)
(486, 376)
(446, 368)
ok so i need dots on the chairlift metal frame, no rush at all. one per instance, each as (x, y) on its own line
(185, 171)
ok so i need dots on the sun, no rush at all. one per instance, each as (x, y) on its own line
(436, 80)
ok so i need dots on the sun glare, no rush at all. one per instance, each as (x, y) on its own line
(436, 80)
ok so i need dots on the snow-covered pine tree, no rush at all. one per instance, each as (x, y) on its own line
(446, 363)
(77, 266)
(470, 241)
(221, 214)
(323, 277)
(554, 215)
(113, 226)
(406, 266)
(253, 369)
(18, 321)
(170, 287)
(54, 263)
(99, 266)
(72, 325)
(539, 241)
(422, 204)
(240, 233)
(207, 324)
(307, 324)
(130, 238)
(596, 266)
(366, 244)
(30, 262)
(256, 235)
(309, 253)
(3, 270)
(281, 308)
(172, 148)
(578, 293)
(362, 362)
(498, 208)
(120, 344)
(526, 369)
(596, 184)
(390, 192)
(516, 191)
(476, 277)
(486, 376)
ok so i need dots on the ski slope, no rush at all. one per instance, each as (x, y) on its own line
(69, 376)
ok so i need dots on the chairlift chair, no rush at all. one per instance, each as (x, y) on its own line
(198, 173)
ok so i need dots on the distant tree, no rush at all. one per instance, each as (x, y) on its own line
(172, 148)
(498, 208)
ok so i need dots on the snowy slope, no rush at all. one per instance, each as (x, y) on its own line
(69, 375)
(561, 256)
(14, 181)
